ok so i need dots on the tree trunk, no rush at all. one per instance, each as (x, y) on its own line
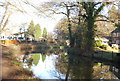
(90, 35)
(70, 36)
(79, 33)
(69, 28)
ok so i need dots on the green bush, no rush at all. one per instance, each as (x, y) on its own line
(98, 43)
(61, 47)
(104, 47)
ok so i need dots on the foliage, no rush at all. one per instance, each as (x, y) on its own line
(43, 57)
(44, 33)
(104, 47)
(18, 63)
(61, 47)
(117, 25)
(37, 31)
(36, 58)
(83, 23)
(90, 17)
(31, 28)
(34, 30)
(98, 43)
(61, 29)
(113, 14)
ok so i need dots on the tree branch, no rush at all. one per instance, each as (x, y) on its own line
(106, 18)
(17, 8)
(97, 3)
(26, 2)
(100, 8)
(102, 20)
(57, 12)
(6, 8)
(6, 22)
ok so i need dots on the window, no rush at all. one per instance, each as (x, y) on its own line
(113, 42)
(114, 35)
(118, 34)
(117, 41)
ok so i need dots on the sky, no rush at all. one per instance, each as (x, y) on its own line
(17, 19)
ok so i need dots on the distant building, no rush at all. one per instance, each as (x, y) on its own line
(6, 35)
(40, 39)
(116, 36)
(29, 38)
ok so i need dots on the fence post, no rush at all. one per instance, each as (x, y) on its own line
(102, 55)
(112, 56)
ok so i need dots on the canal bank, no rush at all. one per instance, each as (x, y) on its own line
(52, 62)
(11, 67)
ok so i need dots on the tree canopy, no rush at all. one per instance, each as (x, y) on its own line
(44, 33)
(34, 30)
(31, 28)
(37, 32)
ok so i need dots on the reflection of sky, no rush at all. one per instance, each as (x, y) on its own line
(46, 69)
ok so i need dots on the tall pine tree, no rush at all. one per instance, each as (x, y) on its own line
(31, 28)
(44, 33)
(37, 32)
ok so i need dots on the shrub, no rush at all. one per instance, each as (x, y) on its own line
(104, 47)
(98, 43)
(115, 46)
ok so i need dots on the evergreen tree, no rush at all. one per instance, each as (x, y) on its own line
(44, 33)
(37, 32)
(31, 28)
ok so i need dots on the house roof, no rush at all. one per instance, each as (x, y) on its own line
(116, 30)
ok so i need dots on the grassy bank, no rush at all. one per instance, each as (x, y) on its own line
(106, 54)
(11, 67)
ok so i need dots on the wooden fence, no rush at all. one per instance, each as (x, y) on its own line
(111, 56)
(9, 42)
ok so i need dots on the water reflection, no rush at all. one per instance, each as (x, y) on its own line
(45, 69)
(65, 65)
(80, 68)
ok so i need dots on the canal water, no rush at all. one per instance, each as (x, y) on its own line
(67, 66)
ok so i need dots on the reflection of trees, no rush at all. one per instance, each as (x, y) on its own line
(34, 58)
(75, 68)
(102, 71)
(53, 51)
(43, 57)
(62, 64)
(80, 67)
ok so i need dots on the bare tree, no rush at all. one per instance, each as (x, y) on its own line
(8, 8)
